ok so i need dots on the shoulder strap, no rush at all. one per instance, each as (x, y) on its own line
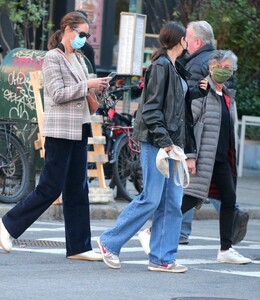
(63, 53)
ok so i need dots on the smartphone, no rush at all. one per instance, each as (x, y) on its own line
(112, 75)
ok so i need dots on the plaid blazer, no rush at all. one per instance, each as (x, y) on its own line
(64, 97)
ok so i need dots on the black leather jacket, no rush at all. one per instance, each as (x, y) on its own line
(164, 115)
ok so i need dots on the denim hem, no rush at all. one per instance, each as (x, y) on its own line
(108, 249)
(161, 263)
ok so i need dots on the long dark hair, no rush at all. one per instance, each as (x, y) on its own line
(72, 19)
(170, 36)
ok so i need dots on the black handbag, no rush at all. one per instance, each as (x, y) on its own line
(239, 225)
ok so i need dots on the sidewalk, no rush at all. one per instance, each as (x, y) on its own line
(248, 197)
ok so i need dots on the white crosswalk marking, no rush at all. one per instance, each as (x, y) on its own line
(200, 245)
(241, 273)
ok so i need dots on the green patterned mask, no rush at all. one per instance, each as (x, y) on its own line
(220, 75)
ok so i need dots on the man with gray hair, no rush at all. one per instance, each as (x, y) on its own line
(200, 38)
(201, 41)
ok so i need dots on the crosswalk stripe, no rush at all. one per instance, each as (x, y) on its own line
(180, 247)
(140, 262)
(213, 244)
(241, 273)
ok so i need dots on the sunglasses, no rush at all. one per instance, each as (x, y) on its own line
(82, 34)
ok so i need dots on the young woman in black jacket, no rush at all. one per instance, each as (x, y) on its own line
(160, 124)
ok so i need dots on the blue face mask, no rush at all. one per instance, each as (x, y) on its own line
(78, 42)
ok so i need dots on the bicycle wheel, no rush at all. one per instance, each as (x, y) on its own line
(14, 169)
(127, 171)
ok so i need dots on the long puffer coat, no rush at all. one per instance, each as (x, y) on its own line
(200, 183)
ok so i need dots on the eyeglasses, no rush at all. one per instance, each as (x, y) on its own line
(82, 34)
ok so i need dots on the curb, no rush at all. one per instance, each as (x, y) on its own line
(210, 213)
(111, 211)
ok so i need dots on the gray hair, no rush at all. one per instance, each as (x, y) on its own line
(203, 30)
(221, 55)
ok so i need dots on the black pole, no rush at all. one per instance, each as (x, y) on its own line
(108, 32)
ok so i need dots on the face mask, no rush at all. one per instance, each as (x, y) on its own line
(184, 51)
(220, 75)
(78, 42)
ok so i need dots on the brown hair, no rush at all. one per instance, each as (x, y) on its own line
(170, 36)
(72, 19)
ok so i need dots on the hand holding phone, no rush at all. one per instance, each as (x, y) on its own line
(112, 75)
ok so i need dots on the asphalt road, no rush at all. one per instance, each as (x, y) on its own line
(37, 268)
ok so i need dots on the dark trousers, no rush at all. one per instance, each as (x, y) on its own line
(64, 172)
(222, 175)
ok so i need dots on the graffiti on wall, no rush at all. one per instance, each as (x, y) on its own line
(20, 95)
(16, 88)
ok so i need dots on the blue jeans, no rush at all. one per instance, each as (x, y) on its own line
(217, 204)
(160, 199)
(186, 226)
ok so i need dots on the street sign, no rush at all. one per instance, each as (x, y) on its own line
(131, 44)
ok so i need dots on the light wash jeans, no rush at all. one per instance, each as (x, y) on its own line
(160, 199)
(186, 226)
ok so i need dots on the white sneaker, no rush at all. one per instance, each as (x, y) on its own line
(173, 268)
(231, 256)
(109, 258)
(144, 238)
(5, 238)
(88, 255)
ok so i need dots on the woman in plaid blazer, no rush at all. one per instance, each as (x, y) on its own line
(66, 127)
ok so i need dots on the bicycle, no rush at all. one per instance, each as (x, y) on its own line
(123, 167)
(14, 166)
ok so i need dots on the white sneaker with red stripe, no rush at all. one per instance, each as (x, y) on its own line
(109, 258)
(172, 268)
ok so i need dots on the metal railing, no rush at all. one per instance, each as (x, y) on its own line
(246, 120)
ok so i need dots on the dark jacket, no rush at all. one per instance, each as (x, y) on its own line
(164, 116)
(197, 64)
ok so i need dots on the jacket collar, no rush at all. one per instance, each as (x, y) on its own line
(183, 72)
(180, 68)
(229, 92)
(61, 47)
(205, 48)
